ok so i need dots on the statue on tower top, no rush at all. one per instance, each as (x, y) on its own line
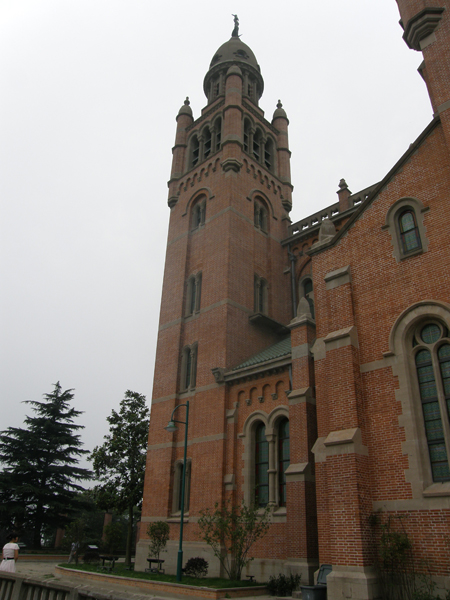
(235, 32)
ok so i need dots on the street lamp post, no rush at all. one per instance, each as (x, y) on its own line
(172, 427)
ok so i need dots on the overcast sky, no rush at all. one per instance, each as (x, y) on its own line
(89, 94)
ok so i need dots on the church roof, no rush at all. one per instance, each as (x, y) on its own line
(281, 348)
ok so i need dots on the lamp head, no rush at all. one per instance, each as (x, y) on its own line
(171, 427)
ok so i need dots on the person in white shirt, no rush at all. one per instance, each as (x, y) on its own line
(10, 554)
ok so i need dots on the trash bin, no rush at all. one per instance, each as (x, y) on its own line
(318, 591)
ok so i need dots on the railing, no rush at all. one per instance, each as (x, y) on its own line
(20, 587)
(330, 212)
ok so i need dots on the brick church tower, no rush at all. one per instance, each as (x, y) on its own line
(315, 355)
(224, 295)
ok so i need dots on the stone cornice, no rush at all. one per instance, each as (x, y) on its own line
(422, 25)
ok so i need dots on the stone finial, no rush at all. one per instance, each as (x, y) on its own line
(186, 109)
(344, 194)
(279, 112)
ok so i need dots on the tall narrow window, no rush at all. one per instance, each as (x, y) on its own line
(246, 136)
(409, 232)
(188, 368)
(283, 459)
(195, 151)
(218, 131)
(207, 142)
(261, 466)
(268, 155)
(309, 294)
(187, 377)
(198, 213)
(177, 486)
(432, 360)
(261, 295)
(257, 145)
(260, 216)
(193, 294)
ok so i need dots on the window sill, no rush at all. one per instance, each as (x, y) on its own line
(176, 518)
(278, 514)
(412, 253)
(437, 490)
(263, 231)
(192, 316)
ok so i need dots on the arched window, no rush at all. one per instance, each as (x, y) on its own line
(188, 368)
(266, 455)
(261, 466)
(283, 459)
(193, 294)
(409, 232)
(260, 214)
(198, 213)
(432, 359)
(405, 223)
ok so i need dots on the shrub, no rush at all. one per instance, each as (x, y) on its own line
(196, 567)
(231, 531)
(283, 585)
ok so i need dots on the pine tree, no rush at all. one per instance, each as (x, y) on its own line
(120, 462)
(40, 480)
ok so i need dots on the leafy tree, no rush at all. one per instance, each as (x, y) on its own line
(231, 531)
(158, 533)
(119, 463)
(39, 484)
(113, 537)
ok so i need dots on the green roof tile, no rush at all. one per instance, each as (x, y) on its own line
(282, 348)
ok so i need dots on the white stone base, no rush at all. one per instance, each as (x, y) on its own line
(355, 583)
(260, 568)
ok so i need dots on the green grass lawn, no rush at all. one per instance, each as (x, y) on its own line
(121, 571)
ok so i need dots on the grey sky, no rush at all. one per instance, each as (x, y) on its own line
(90, 92)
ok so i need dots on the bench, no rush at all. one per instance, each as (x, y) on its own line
(158, 568)
(111, 562)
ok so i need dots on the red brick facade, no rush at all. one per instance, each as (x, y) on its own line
(319, 322)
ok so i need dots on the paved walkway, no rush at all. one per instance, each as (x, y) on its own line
(46, 570)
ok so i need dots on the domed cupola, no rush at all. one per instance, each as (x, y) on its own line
(234, 52)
